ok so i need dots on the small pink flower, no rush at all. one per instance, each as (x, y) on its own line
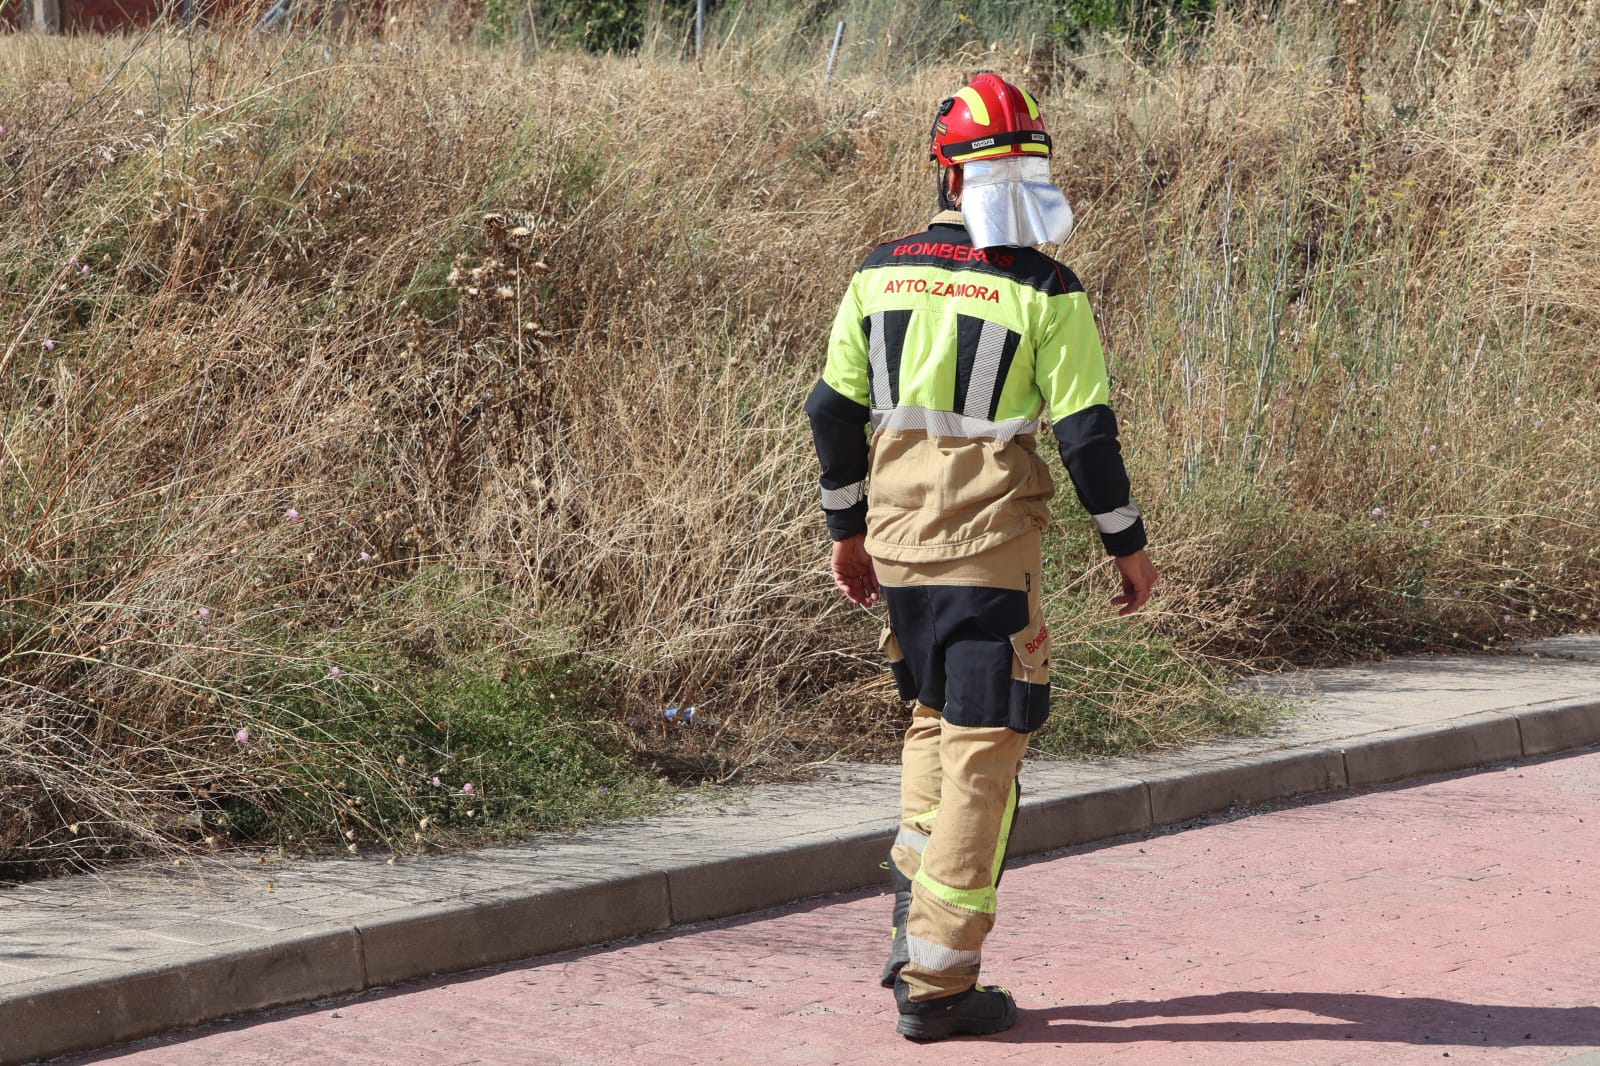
(291, 515)
(334, 671)
(242, 736)
(1377, 512)
(1456, 594)
(1433, 447)
(366, 557)
(436, 781)
(73, 262)
(204, 613)
(1505, 618)
(49, 345)
(467, 788)
(1427, 523)
(83, 272)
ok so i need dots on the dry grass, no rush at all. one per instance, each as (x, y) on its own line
(1357, 351)
(1350, 336)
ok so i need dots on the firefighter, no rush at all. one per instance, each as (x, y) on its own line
(952, 344)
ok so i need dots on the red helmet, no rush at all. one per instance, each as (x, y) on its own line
(987, 119)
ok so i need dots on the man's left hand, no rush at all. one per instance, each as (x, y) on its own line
(1138, 578)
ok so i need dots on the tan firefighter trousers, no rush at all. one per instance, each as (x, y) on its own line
(967, 641)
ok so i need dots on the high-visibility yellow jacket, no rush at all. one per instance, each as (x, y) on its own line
(953, 354)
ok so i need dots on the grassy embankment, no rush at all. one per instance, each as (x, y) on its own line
(317, 490)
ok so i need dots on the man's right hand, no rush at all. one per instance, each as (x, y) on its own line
(1138, 578)
(853, 571)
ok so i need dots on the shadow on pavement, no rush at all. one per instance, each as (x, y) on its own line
(1356, 1017)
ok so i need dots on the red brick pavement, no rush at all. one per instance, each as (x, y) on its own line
(1456, 918)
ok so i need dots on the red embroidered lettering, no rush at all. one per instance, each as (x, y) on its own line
(960, 253)
(947, 289)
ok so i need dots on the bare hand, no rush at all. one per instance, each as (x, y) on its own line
(1138, 578)
(853, 572)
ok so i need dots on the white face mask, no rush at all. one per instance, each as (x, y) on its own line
(1011, 201)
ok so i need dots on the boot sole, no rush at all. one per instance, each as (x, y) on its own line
(925, 1029)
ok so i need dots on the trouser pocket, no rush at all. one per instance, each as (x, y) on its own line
(1030, 675)
(889, 644)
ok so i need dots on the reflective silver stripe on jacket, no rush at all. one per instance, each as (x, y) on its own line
(985, 370)
(937, 957)
(878, 357)
(849, 496)
(1118, 520)
(950, 424)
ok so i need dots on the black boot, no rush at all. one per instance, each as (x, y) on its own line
(979, 1011)
(899, 955)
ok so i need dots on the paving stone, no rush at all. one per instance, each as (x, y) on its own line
(1547, 729)
(1104, 808)
(453, 937)
(1177, 795)
(1475, 740)
(735, 885)
(166, 993)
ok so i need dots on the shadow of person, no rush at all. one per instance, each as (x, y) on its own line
(1341, 1016)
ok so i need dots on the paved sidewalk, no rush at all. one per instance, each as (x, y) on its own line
(1453, 919)
(85, 962)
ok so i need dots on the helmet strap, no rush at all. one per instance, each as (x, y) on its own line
(949, 187)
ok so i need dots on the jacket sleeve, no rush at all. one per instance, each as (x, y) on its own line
(839, 409)
(1071, 374)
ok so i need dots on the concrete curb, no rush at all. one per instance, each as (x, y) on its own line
(501, 925)
(274, 971)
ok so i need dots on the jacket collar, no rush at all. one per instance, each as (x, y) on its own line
(949, 218)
